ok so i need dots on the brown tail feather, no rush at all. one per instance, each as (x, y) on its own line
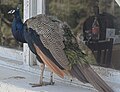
(95, 80)
(75, 72)
(101, 83)
(92, 77)
(49, 63)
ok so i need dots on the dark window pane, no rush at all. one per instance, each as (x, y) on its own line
(6, 37)
(80, 15)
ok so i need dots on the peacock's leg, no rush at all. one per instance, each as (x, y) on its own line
(51, 79)
(42, 72)
(41, 82)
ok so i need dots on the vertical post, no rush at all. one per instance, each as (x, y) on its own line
(41, 6)
(31, 8)
(0, 16)
(25, 46)
(0, 21)
(113, 6)
(33, 12)
(29, 11)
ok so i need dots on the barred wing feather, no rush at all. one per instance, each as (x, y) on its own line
(51, 35)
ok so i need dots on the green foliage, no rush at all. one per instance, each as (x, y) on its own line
(75, 11)
(71, 10)
(6, 37)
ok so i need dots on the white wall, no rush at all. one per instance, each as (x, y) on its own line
(11, 53)
(40, 6)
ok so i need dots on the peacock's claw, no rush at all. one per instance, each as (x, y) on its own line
(42, 84)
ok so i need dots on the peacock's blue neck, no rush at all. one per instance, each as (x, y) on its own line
(18, 29)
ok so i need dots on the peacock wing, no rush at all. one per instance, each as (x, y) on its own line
(51, 35)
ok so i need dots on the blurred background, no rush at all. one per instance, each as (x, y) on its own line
(74, 12)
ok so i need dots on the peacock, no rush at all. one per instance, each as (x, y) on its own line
(54, 45)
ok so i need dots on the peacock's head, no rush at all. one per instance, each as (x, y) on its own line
(15, 12)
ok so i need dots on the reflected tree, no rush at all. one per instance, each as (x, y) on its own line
(74, 12)
(6, 38)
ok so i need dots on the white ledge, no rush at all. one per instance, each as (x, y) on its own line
(12, 80)
(16, 78)
(11, 65)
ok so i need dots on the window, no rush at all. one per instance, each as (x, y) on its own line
(6, 38)
(76, 12)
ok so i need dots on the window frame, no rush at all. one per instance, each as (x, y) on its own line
(31, 8)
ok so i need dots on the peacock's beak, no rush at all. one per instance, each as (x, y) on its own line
(11, 12)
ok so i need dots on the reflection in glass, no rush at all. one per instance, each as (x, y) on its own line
(6, 38)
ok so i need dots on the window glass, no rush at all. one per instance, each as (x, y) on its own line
(77, 12)
(6, 37)
(74, 12)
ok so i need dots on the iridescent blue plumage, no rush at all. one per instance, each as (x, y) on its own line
(19, 33)
(18, 27)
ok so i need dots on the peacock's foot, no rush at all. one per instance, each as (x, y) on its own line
(42, 84)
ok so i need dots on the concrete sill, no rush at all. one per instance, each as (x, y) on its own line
(16, 78)
(12, 80)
